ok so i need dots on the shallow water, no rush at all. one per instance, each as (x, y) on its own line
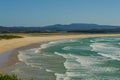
(95, 58)
(4, 57)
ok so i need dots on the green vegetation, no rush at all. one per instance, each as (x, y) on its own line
(9, 36)
(9, 77)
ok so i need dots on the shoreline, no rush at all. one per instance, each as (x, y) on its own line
(13, 58)
(13, 55)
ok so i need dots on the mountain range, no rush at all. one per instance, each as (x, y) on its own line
(75, 27)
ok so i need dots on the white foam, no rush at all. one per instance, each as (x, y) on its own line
(99, 39)
(75, 62)
(66, 48)
(46, 45)
(110, 39)
(103, 46)
(52, 43)
(62, 77)
(119, 43)
(103, 69)
(75, 74)
(48, 70)
(106, 50)
(37, 50)
(27, 56)
(22, 56)
(92, 41)
(114, 57)
(73, 40)
(74, 48)
(87, 61)
(97, 46)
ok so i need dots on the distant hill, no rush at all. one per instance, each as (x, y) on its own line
(79, 26)
(76, 27)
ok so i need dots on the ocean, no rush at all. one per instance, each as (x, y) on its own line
(94, 58)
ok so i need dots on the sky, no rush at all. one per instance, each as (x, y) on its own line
(49, 12)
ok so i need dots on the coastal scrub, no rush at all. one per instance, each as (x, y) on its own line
(9, 77)
(9, 36)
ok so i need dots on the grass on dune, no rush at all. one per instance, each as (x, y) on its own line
(9, 77)
(9, 36)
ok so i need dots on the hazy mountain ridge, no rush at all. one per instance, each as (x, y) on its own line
(81, 26)
(75, 27)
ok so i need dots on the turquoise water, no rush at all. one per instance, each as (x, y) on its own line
(95, 58)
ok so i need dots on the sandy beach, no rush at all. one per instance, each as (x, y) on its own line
(9, 49)
(6, 45)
